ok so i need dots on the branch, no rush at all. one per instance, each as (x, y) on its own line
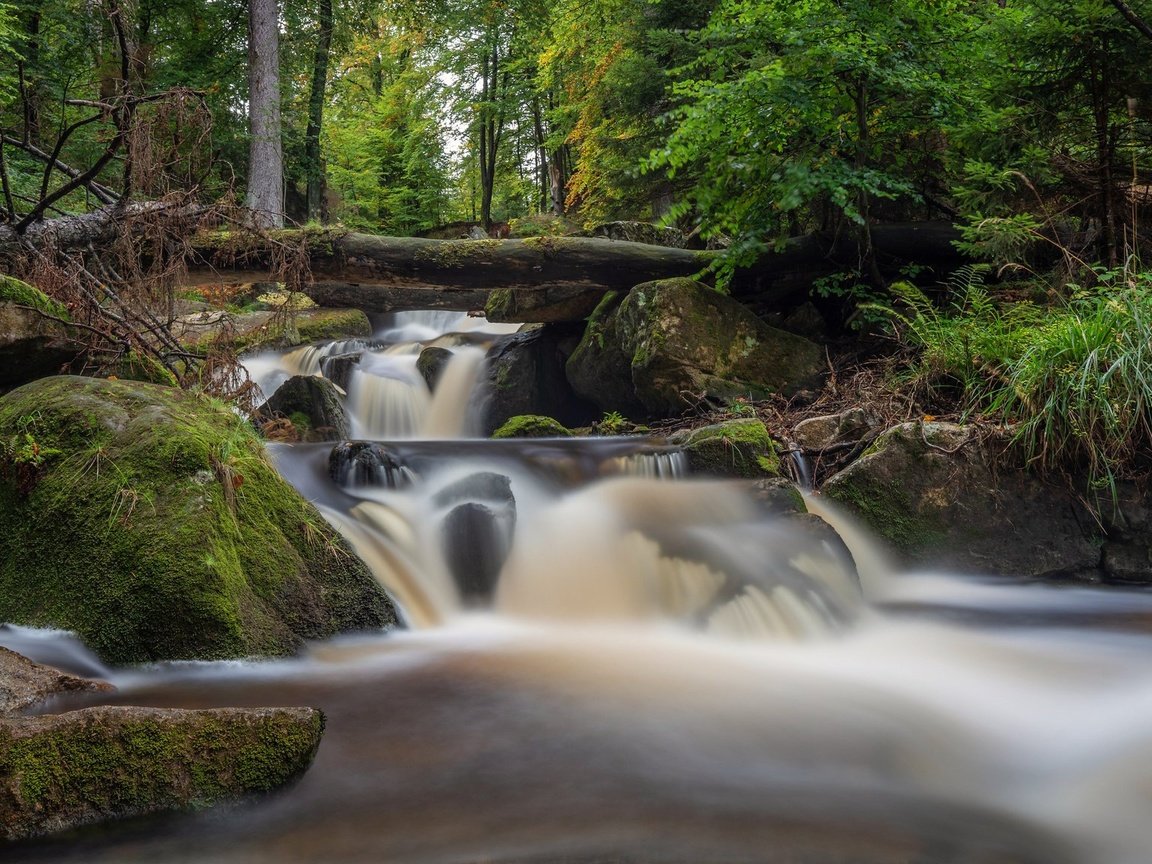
(101, 192)
(1132, 18)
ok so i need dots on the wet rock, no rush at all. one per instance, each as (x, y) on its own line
(338, 368)
(674, 345)
(532, 426)
(61, 772)
(314, 406)
(431, 364)
(931, 490)
(477, 532)
(183, 542)
(777, 496)
(364, 464)
(818, 433)
(735, 448)
(31, 345)
(24, 683)
(525, 375)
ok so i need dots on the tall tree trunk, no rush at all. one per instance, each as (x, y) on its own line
(265, 154)
(542, 170)
(313, 165)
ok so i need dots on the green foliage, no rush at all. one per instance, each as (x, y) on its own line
(1073, 383)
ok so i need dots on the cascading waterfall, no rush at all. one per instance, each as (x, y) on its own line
(610, 661)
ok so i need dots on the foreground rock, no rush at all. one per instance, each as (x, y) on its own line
(181, 539)
(676, 345)
(31, 344)
(24, 683)
(64, 771)
(932, 491)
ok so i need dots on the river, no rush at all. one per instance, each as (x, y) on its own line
(607, 661)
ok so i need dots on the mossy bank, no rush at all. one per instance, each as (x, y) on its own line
(149, 521)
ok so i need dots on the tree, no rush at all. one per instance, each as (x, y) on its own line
(265, 196)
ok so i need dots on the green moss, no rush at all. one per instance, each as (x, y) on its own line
(12, 290)
(457, 253)
(736, 448)
(144, 367)
(550, 244)
(183, 541)
(501, 305)
(532, 426)
(80, 767)
(887, 508)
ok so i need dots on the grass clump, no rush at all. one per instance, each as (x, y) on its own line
(1072, 381)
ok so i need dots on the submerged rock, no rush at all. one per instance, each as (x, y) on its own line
(24, 683)
(181, 542)
(735, 448)
(314, 406)
(360, 464)
(477, 532)
(675, 344)
(932, 491)
(338, 368)
(64, 771)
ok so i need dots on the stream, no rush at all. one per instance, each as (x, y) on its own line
(608, 661)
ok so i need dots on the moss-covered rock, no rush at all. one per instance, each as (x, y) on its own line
(250, 331)
(314, 406)
(31, 345)
(674, 344)
(72, 769)
(149, 521)
(532, 426)
(933, 492)
(735, 448)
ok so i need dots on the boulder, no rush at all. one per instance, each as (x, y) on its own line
(431, 364)
(63, 771)
(249, 331)
(314, 406)
(532, 426)
(477, 532)
(525, 375)
(819, 433)
(338, 368)
(675, 344)
(31, 345)
(934, 493)
(734, 448)
(181, 540)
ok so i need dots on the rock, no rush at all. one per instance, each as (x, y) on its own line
(360, 464)
(818, 433)
(250, 331)
(777, 496)
(532, 426)
(525, 375)
(639, 232)
(31, 346)
(24, 683)
(61, 772)
(338, 368)
(930, 490)
(477, 532)
(431, 364)
(674, 344)
(735, 448)
(182, 541)
(314, 406)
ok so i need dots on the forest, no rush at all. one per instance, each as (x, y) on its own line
(1020, 126)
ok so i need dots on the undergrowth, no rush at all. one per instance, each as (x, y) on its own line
(1072, 382)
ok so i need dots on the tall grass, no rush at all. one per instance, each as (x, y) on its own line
(1073, 382)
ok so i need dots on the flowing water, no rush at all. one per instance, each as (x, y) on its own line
(606, 661)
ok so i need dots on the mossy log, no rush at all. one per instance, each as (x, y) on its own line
(542, 279)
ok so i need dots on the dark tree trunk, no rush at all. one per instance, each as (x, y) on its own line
(313, 165)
